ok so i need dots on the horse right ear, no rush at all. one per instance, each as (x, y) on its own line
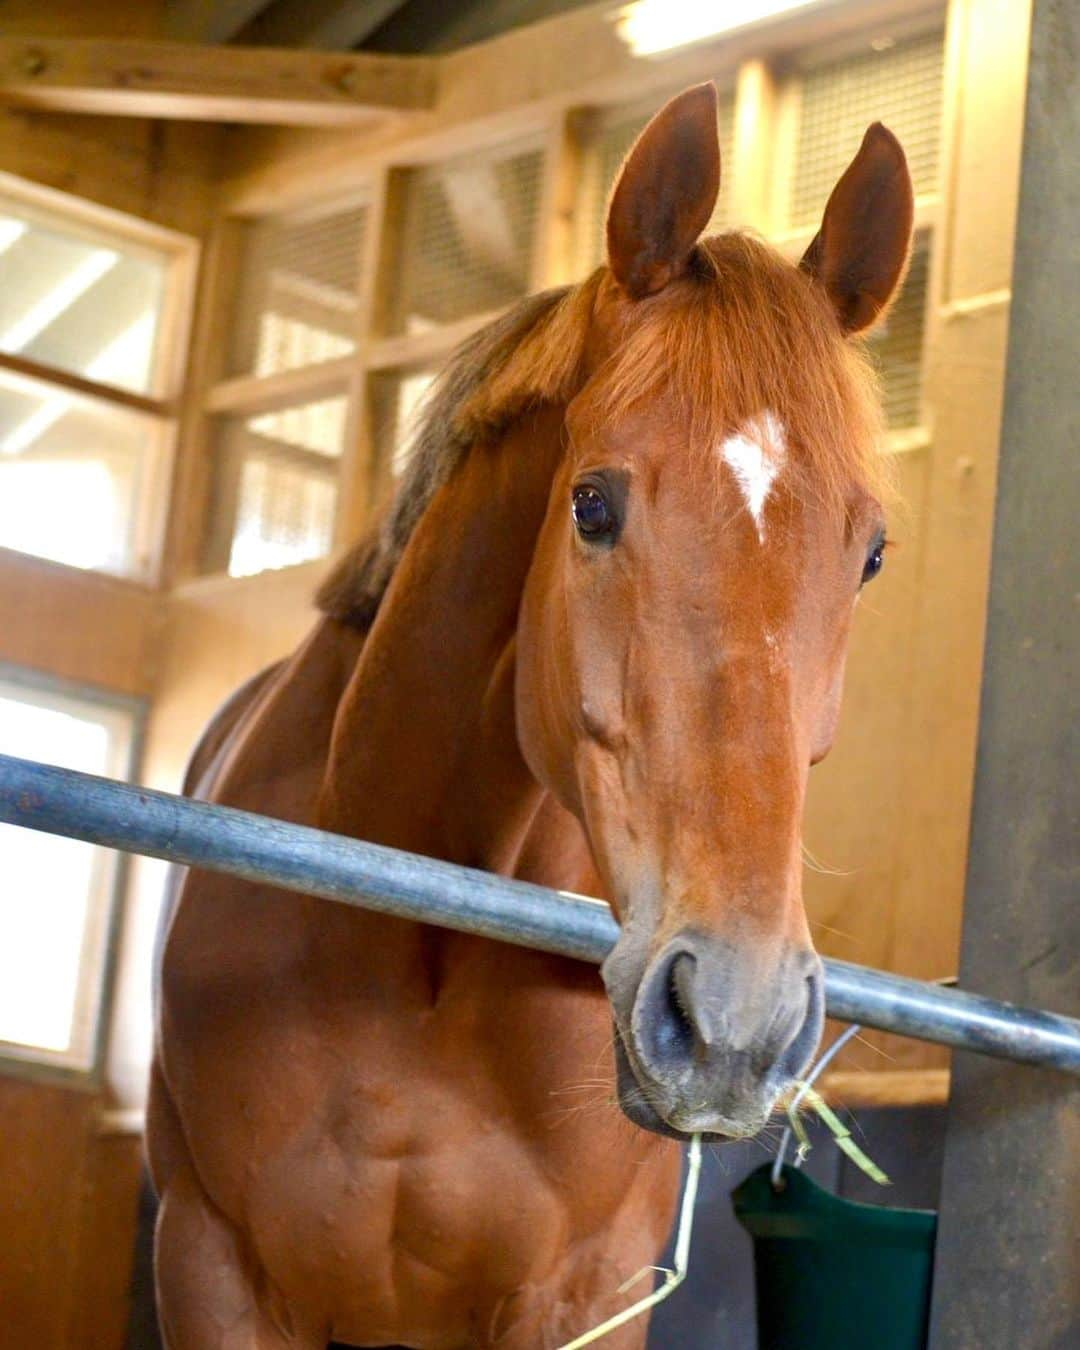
(665, 193)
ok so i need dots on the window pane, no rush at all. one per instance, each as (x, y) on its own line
(57, 892)
(79, 299)
(276, 487)
(298, 290)
(76, 478)
(467, 236)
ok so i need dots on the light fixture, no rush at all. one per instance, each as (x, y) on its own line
(649, 27)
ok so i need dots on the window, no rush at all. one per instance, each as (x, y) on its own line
(276, 464)
(276, 492)
(92, 311)
(59, 894)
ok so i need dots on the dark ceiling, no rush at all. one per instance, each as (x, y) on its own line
(369, 25)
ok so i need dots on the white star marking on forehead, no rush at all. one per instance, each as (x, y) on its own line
(756, 454)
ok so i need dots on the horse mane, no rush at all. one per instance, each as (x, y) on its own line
(741, 331)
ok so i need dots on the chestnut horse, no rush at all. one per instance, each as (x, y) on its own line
(596, 641)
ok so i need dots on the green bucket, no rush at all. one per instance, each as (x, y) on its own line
(832, 1274)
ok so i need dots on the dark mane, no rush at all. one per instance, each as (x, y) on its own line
(450, 421)
(743, 330)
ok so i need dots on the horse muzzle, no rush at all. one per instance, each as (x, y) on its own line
(705, 1040)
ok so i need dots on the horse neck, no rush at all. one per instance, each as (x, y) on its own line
(424, 753)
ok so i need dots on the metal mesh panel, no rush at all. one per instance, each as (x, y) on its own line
(296, 291)
(467, 233)
(897, 346)
(900, 86)
(616, 132)
(276, 487)
(397, 398)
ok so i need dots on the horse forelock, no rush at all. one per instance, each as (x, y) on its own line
(742, 332)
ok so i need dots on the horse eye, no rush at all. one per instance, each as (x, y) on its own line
(591, 515)
(874, 561)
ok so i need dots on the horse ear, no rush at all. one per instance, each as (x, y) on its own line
(860, 254)
(665, 193)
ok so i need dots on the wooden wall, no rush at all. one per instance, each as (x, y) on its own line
(68, 1180)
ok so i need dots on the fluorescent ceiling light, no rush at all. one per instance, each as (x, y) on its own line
(652, 26)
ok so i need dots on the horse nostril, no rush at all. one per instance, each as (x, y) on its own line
(686, 1030)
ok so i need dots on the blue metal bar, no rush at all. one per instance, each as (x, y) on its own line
(349, 871)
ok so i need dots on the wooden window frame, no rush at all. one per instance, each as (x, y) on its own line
(161, 407)
(103, 928)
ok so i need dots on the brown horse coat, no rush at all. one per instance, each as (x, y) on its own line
(596, 642)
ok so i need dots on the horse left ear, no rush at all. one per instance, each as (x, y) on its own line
(860, 254)
(665, 193)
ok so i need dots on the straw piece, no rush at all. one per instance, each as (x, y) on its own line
(839, 1131)
(672, 1278)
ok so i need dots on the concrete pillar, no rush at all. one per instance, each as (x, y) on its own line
(1008, 1262)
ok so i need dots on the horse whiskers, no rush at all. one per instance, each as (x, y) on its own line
(817, 866)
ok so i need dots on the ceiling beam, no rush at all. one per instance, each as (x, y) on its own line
(211, 84)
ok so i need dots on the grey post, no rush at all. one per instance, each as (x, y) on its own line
(1008, 1260)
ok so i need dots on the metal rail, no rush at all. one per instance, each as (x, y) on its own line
(221, 839)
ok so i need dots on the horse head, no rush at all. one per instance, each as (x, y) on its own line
(683, 628)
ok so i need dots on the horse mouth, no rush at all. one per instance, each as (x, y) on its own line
(635, 1104)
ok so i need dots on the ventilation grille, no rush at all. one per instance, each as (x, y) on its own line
(900, 86)
(276, 488)
(615, 133)
(897, 347)
(467, 234)
(297, 291)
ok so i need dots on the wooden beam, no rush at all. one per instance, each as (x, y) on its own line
(24, 368)
(211, 84)
(859, 1089)
(266, 393)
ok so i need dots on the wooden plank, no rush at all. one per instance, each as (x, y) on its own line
(359, 451)
(193, 468)
(887, 1087)
(24, 368)
(211, 84)
(47, 1134)
(105, 1243)
(751, 169)
(553, 250)
(79, 625)
(414, 350)
(264, 393)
